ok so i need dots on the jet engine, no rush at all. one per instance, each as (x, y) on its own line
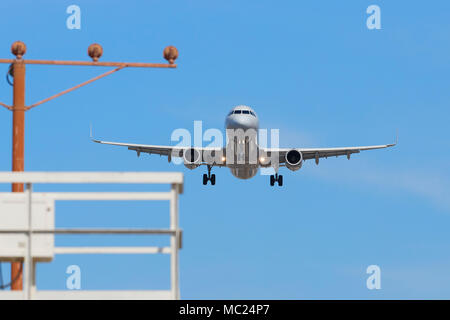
(293, 159)
(192, 158)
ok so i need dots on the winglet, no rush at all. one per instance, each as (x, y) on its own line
(396, 140)
(90, 134)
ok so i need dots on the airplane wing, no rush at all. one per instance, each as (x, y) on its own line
(307, 153)
(317, 153)
(169, 151)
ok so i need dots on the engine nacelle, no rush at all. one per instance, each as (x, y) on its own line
(293, 159)
(192, 158)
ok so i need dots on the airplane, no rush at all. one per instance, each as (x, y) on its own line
(237, 155)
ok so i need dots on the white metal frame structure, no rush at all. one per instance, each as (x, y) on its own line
(175, 179)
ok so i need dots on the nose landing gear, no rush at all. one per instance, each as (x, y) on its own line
(209, 177)
(276, 178)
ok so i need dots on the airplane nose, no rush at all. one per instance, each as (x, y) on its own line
(241, 122)
(232, 123)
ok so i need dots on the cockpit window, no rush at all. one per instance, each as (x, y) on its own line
(242, 112)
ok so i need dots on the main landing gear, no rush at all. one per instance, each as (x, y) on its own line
(209, 177)
(276, 178)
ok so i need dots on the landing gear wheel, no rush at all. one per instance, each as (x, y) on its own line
(209, 177)
(276, 178)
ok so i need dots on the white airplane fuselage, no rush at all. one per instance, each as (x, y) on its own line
(242, 118)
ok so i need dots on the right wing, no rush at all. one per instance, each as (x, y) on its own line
(317, 153)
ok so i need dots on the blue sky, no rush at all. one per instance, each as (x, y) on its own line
(311, 69)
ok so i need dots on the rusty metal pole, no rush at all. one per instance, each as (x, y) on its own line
(18, 139)
(18, 108)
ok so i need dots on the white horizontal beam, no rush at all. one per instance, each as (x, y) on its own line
(12, 294)
(102, 295)
(90, 231)
(91, 177)
(90, 196)
(111, 250)
(100, 196)
(89, 295)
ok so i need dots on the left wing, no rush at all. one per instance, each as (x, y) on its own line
(151, 149)
(317, 153)
(168, 151)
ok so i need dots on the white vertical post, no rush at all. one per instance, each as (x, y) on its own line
(29, 259)
(33, 280)
(174, 242)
